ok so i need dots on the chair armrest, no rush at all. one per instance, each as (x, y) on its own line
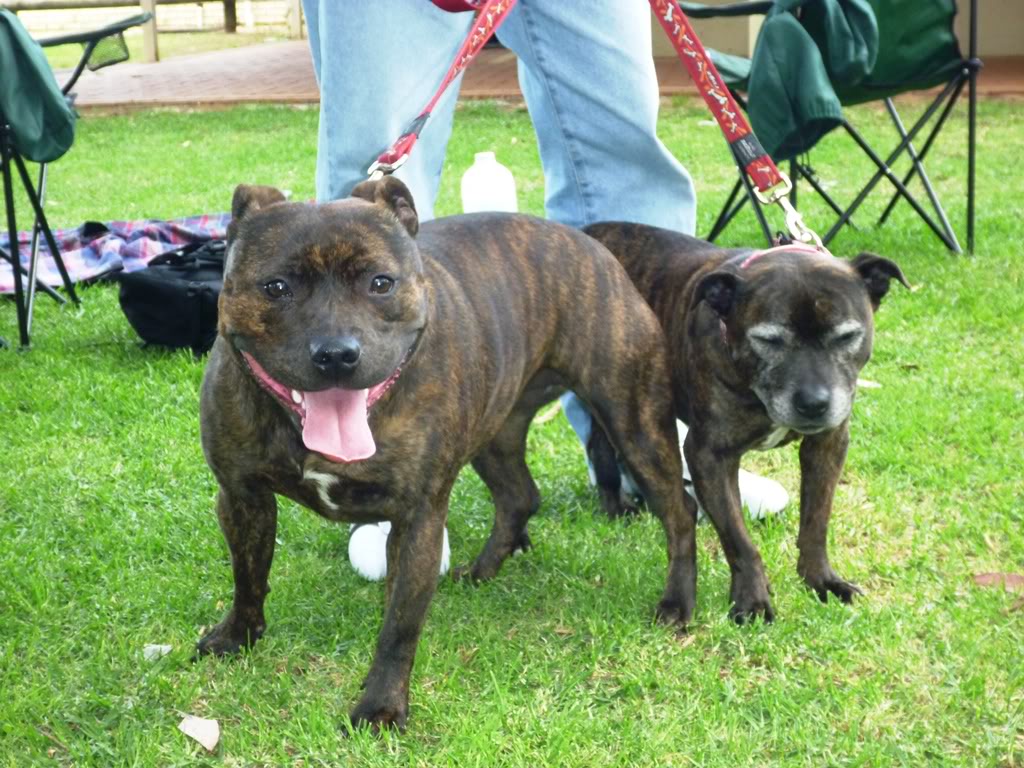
(749, 8)
(97, 34)
(89, 41)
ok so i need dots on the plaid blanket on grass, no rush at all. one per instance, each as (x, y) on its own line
(93, 249)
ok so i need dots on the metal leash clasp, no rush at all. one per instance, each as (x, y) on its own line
(779, 194)
(774, 194)
(379, 169)
(795, 224)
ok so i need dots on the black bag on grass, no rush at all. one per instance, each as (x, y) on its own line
(173, 301)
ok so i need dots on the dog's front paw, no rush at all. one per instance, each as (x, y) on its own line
(229, 637)
(751, 598)
(522, 544)
(822, 579)
(378, 715)
(489, 562)
(463, 573)
(674, 613)
(480, 571)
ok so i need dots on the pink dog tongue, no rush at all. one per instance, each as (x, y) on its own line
(336, 424)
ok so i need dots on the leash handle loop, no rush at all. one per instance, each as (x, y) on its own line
(488, 18)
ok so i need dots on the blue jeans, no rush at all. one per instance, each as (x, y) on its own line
(585, 69)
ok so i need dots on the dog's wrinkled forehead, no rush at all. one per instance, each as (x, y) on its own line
(807, 293)
(342, 237)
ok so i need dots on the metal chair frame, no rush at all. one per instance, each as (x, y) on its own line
(943, 105)
(26, 281)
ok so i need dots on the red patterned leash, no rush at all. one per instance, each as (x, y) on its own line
(489, 16)
(770, 184)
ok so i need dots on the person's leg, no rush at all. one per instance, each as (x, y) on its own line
(377, 64)
(588, 76)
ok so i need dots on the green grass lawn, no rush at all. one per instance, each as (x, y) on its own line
(109, 540)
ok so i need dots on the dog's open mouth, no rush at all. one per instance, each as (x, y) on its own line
(335, 421)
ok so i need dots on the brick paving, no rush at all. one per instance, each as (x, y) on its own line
(283, 73)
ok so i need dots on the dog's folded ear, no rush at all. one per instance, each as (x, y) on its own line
(719, 291)
(393, 195)
(877, 272)
(248, 199)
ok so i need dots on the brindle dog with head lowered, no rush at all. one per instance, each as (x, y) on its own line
(363, 359)
(765, 348)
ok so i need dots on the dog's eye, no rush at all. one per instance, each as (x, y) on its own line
(277, 289)
(775, 342)
(847, 339)
(381, 284)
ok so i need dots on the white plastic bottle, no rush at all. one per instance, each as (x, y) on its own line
(488, 186)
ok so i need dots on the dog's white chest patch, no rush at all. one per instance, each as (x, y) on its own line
(323, 482)
(773, 438)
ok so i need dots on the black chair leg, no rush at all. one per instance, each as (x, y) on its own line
(742, 201)
(765, 228)
(41, 222)
(884, 171)
(726, 215)
(6, 152)
(936, 129)
(33, 258)
(794, 175)
(39, 284)
(918, 168)
(808, 174)
(972, 117)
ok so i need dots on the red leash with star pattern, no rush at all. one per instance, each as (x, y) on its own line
(770, 184)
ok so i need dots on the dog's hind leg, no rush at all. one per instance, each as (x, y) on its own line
(607, 475)
(633, 403)
(501, 464)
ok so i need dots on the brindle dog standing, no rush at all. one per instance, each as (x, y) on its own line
(765, 349)
(362, 360)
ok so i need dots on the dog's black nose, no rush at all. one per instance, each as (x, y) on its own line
(812, 402)
(335, 354)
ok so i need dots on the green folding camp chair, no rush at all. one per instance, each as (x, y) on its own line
(37, 123)
(814, 56)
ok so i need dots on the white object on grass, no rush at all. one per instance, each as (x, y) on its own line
(206, 732)
(154, 652)
(488, 186)
(368, 550)
(760, 495)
